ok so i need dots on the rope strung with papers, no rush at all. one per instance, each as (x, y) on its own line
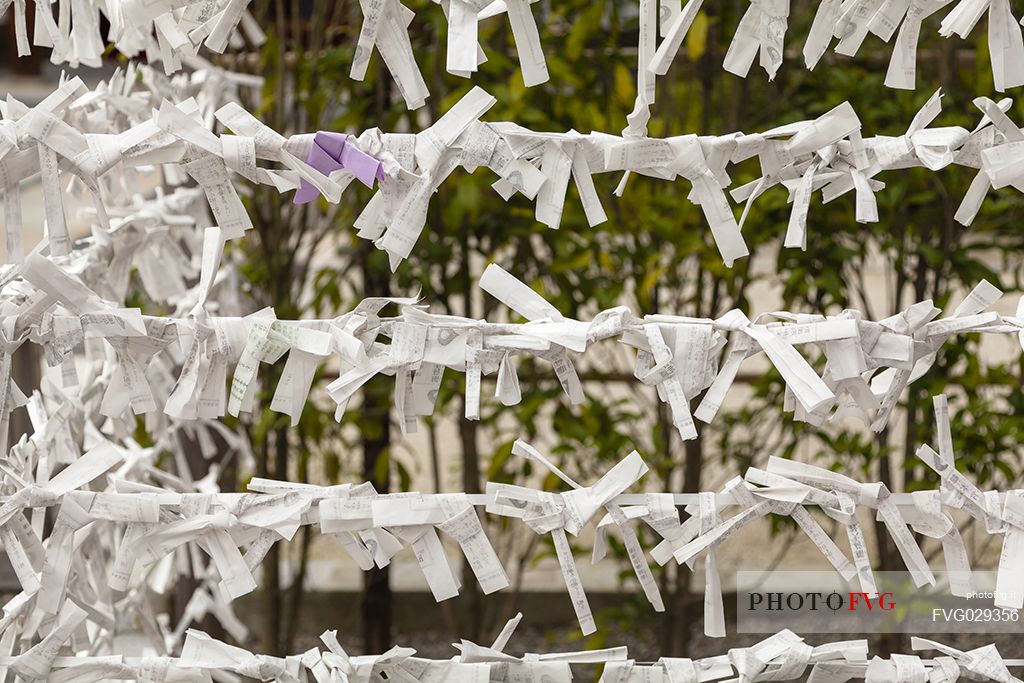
(58, 138)
(48, 304)
(136, 532)
(780, 657)
(869, 364)
(173, 33)
(168, 32)
(761, 34)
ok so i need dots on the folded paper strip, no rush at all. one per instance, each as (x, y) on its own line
(139, 519)
(784, 656)
(174, 37)
(58, 140)
(332, 152)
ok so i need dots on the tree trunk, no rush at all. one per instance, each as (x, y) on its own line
(886, 643)
(375, 427)
(472, 607)
(185, 586)
(667, 582)
(297, 593)
(376, 603)
(686, 604)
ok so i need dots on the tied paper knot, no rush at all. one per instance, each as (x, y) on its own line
(264, 668)
(785, 647)
(9, 131)
(569, 512)
(362, 669)
(786, 487)
(658, 512)
(347, 514)
(255, 140)
(926, 336)
(213, 534)
(580, 504)
(415, 517)
(852, 493)
(532, 666)
(896, 669)
(813, 396)
(762, 29)
(137, 28)
(780, 657)
(783, 490)
(760, 33)
(680, 371)
(331, 152)
(982, 662)
(200, 651)
(933, 148)
(705, 532)
(31, 496)
(999, 162)
(35, 663)
(93, 464)
(959, 492)
(281, 513)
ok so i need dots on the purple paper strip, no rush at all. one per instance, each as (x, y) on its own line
(332, 151)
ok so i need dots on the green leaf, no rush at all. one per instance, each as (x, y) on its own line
(697, 37)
